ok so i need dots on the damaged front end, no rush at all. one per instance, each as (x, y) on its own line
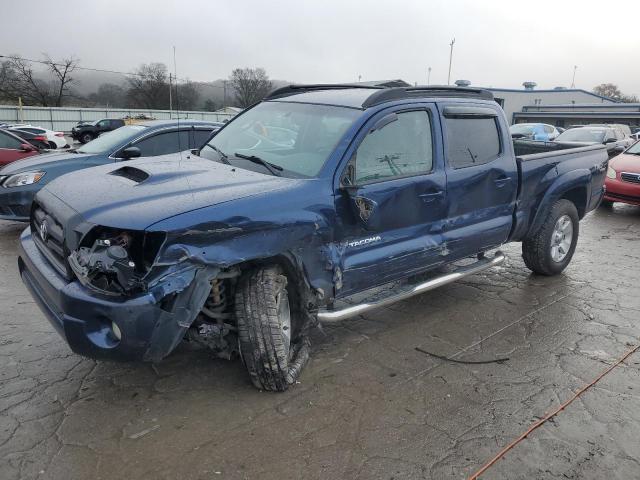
(191, 300)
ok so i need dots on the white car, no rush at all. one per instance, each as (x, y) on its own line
(55, 139)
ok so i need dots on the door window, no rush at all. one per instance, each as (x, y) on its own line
(200, 137)
(399, 149)
(472, 141)
(164, 143)
(7, 141)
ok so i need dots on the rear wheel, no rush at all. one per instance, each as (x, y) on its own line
(86, 138)
(550, 249)
(271, 345)
(606, 203)
(52, 146)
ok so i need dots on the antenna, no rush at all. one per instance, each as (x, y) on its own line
(450, 60)
(175, 72)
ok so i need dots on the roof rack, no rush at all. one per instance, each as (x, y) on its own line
(293, 89)
(398, 93)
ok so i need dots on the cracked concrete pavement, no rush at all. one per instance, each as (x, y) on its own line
(368, 404)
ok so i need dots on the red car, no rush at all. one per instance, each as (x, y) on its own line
(623, 177)
(14, 148)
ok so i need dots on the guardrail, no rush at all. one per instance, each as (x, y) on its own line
(65, 118)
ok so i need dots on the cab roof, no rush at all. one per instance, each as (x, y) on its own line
(363, 97)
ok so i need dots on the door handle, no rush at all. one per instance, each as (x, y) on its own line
(431, 196)
(502, 181)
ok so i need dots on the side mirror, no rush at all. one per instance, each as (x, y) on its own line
(610, 140)
(131, 152)
(25, 147)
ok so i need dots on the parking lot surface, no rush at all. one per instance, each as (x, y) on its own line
(368, 405)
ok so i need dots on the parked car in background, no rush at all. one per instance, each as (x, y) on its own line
(13, 148)
(534, 131)
(625, 129)
(623, 178)
(292, 214)
(611, 137)
(143, 140)
(85, 132)
(55, 139)
(37, 140)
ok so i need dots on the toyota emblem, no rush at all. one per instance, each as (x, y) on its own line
(44, 232)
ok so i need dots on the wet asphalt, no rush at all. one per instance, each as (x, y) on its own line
(368, 406)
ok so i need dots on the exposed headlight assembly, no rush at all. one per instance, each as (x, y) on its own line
(21, 179)
(611, 173)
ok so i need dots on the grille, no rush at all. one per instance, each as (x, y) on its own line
(630, 177)
(48, 235)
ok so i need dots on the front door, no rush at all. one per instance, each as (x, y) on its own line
(394, 204)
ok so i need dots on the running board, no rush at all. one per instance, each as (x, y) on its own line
(462, 272)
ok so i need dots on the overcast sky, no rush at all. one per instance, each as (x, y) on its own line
(498, 43)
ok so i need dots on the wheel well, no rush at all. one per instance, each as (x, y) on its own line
(578, 196)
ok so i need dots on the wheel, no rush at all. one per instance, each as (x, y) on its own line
(86, 138)
(550, 249)
(271, 345)
(606, 203)
(52, 146)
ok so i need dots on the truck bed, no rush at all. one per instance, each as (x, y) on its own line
(585, 166)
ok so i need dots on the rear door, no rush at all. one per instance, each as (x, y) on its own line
(394, 205)
(482, 179)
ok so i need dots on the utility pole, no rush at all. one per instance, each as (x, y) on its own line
(359, 78)
(224, 93)
(170, 97)
(428, 76)
(573, 82)
(450, 60)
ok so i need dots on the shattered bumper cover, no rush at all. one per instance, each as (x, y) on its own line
(149, 326)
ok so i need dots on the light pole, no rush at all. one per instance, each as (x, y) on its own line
(428, 76)
(573, 81)
(170, 99)
(359, 78)
(450, 60)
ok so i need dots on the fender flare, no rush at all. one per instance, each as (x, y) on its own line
(580, 178)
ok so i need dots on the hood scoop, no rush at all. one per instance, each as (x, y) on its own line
(131, 173)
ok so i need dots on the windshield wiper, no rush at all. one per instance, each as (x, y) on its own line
(223, 156)
(274, 169)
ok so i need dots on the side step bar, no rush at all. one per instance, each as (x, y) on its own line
(462, 272)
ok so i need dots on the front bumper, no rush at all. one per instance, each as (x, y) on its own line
(15, 203)
(84, 319)
(625, 192)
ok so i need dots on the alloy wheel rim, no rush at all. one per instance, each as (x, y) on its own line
(561, 238)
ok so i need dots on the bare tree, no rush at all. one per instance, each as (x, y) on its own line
(17, 79)
(109, 95)
(250, 85)
(612, 91)
(62, 74)
(187, 96)
(149, 87)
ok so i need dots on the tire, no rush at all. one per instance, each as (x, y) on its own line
(271, 346)
(606, 204)
(52, 146)
(86, 138)
(549, 251)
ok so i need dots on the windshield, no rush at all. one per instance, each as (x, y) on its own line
(296, 137)
(524, 129)
(583, 134)
(111, 140)
(634, 149)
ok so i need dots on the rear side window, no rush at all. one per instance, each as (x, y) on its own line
(399, 149)
(472, 141)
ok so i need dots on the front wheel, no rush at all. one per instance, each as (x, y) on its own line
(86, 138)
(271, 342)
(550, 249)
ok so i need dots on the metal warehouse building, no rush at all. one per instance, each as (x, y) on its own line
(580, 114)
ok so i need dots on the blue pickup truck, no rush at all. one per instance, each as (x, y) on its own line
(297, 212)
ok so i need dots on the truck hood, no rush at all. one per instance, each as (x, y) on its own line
(139, 193)
(42, 162)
